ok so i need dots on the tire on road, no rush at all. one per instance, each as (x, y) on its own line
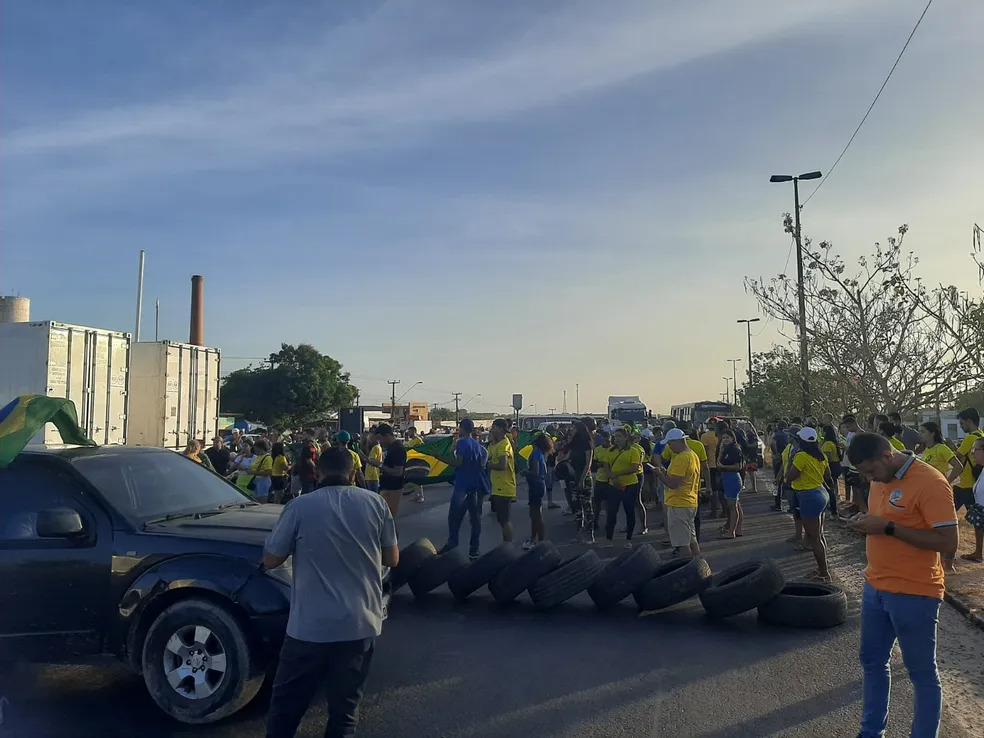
(573, 576)
(436, 570)
(741, 588)
(623, 576)
(470, 578)
(806, 605)
(674, 582)
(524, 571)
(224, 665)
(411, 559)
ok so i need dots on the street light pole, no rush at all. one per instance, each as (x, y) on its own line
(734, 377)
(748, 324)
(577, 398)
(804, 362)
(727, 391)
(392, 383)
(457, 414)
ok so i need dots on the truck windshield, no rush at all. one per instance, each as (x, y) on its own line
(149, 486)
(629, 416)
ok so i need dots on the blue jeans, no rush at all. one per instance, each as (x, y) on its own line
(912, 620)
(462, 502)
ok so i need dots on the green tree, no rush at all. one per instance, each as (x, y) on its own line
(300, 387)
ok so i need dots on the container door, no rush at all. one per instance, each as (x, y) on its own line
(99, 387)
(116, 399)
(211, 409)
(172, 399)
(66, 375)
(196, 389)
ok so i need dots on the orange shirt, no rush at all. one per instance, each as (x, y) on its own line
(919, 497)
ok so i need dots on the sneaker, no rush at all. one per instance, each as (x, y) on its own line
(473, 557)
(644, 531)
(528, 544)
(418, 498)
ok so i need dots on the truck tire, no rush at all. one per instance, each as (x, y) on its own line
(436, 570)
(623, 576)
(673, 582)
(411, 559)
(741, 588)
(570, 578)
(470, 578)
(806, 605)
(524, 571)
(197, 663)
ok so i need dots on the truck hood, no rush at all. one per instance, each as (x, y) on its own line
(250, 525)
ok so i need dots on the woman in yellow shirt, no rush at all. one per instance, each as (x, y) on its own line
(624, 462)
(834, 452)
(808, 474)
(281, 468)
(937, 454)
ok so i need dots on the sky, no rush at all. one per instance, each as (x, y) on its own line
(487, 198)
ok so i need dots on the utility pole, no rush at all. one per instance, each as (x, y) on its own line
(577, 398)
(157, 319)
(727, 391)
(734, 377)
(457, 411)
(748, 324)
(140, 281)
(392, 383)
(565, 401)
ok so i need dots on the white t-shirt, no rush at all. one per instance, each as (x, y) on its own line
(979, 490)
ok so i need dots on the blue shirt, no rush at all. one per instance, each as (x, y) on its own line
(538, 465)
(470, 476)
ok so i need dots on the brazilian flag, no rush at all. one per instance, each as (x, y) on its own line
(22, 418)
(431, 461)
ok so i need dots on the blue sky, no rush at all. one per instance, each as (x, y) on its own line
(487, 197)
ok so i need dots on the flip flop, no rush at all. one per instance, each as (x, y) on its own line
(972, 558)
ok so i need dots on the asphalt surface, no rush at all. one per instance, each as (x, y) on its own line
(443, 669)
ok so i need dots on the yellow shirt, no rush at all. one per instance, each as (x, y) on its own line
(280, 466)
(896, 444)
(965, 450)
(685, 465)
(413, 442)
(625, 465)
(503, 480)
(831, 451)
(372, 472)
(710, 442)
(603, 456)
(696, 446)
(356, 461)
(811, 472)
(938, 457)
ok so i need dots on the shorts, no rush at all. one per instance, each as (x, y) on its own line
(716, 481)
(680, 525)
(963, 497)
(812, 503)
(501, 507)
(975, 516)
(731, 483)
(537, 491)
(373, 486)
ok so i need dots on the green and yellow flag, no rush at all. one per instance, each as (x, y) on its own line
(22, 418)
(431, 461)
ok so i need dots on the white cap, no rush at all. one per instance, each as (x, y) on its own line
(647, 433)
(675, 434)
(808, 434)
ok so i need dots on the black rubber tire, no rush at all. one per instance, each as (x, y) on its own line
(624, 575)
(524, 571)
(242, 680)
(742, 588)
(570, 578)
(674, 582)
(806, 605)
(470, 578)
(411, 559)
(436, 570)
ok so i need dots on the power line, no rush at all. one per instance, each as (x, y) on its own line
(830, 170)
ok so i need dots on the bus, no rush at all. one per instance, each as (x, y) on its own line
(539, 422)
(696, 414)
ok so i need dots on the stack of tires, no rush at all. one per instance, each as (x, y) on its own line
(551, 580)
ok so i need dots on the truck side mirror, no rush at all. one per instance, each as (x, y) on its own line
(60, 522)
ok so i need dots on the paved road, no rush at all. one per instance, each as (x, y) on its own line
(474, 670)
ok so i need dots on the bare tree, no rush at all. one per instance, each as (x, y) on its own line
(870, 326)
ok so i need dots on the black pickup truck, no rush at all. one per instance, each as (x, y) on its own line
(143, 554)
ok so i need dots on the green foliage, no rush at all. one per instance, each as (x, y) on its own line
(301, 387)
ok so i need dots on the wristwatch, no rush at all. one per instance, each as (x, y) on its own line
(890, 528)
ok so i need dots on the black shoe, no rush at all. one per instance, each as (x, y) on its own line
(473, 557)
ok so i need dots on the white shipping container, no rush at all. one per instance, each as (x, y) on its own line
(86, 365)
(174, 394)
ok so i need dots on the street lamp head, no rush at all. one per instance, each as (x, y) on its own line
(810, 175)
(781, 178)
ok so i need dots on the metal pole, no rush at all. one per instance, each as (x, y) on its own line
(748, 325)
(457, 414)
(804, 363)
(565, 401)
(577, 398)
(157, 319)
(140, 275)
(392, 383)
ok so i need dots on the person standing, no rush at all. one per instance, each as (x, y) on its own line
(279, 473)
(219, 455)
(471, 485)
(935, 451)
(833, 450)
(536, 480)
(340, 538)
(910, 524)
(580, 454)
(908, 435)
(963, 483)
(780, 439)
(502, 465)
(975, 511)
(414, 440)
(809, 476)
(730, 463)
(705, 474)
(551, 467)
(262, 471)
(306, 468)
(602, 477)
(682, 480)
(391, 468)
(710, 438)
(342, 439)
(855, 485)
(624, 462)
(374, 457)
